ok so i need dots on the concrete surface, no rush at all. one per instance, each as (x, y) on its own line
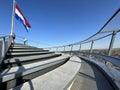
(90, 78)
(57, 79)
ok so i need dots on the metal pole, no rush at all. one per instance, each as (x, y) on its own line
(13, 15)
(49, 49)
(64, 48)
(79, 48)
(71, 49)
(111, 43)
(91, 48)
(3, 47)
(57, 49)
(25, 41)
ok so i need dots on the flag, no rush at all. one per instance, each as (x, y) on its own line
(19, 16)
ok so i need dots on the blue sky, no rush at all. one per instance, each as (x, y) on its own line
(58, 22)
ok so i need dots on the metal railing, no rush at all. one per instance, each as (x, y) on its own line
(5, 42)
(26, 41)
(110, 29)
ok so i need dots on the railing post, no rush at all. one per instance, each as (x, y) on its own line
(91, 48)
(49, 49)
(79, 48)
(13, 36)
(25, 41)
(111, 46)
(111, 43)
(3, 47)
(71, 49)
(64, 48)
(57, 49)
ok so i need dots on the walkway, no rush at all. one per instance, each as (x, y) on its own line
(90, 78)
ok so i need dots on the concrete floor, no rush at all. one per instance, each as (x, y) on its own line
(90, 78)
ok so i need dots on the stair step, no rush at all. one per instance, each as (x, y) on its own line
(22, 45)
(60, 78)
(31, 65)
(29, 58)
(29, 71)
(28, 50)
(12, 54)
(15, 44)
(25, 48)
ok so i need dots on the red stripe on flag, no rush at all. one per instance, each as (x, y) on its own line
(25, 20)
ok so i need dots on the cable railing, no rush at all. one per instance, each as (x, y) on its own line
(24, 40)
(109, 30)
(84, 49)
(102, 57)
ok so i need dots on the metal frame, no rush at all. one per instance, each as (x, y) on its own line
(4, 46)
(111, 43)
(103, 34)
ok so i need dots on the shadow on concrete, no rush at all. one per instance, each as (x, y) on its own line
(21, 80)
(90, 78)
(18, 80)
(86, 76)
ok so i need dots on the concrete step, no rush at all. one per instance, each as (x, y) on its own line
(35, 58)
(27, 50)
(17, 75)
(19, 44)
(60, 78)
(22, 45)
(26, 47)
(12, 54)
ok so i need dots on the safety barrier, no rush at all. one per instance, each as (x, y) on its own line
(5, 42)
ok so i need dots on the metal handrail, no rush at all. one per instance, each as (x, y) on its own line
(113, 60)
(4, 36)
(5, 46)
(102, 33)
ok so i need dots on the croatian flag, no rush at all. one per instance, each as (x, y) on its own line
(19, 16)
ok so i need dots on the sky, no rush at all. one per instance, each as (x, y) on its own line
(58, 22)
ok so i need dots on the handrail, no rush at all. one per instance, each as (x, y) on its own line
(102, 31)
(4, 36)
(109, 29)
(27, 41)
(113, 60)
(9, 43)
(5, 44)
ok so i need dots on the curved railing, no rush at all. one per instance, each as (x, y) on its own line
(103, 58)
(109, 30)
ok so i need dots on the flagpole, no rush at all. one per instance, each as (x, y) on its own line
(13, 15)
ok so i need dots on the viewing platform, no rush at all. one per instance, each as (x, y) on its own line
(84, 65)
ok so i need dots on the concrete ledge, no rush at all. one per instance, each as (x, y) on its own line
(29, 58)
(23, 45)
(15, 72)
(112, 74)
(57, 79)
(27, 54)
(27, 50)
